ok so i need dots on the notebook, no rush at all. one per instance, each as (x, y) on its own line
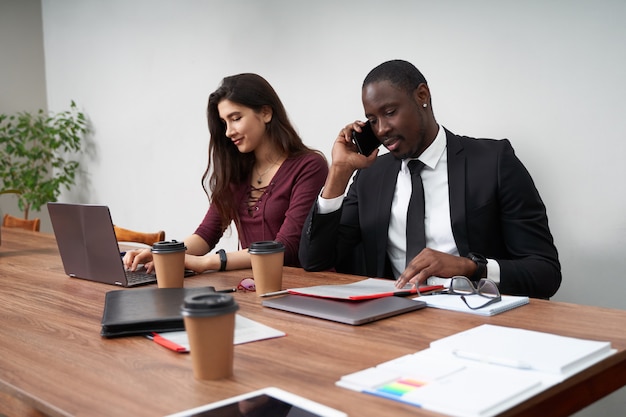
(88, 247)
(348, 312)
(524, 349)
(455, 303)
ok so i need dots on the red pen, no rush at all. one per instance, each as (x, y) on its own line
(168, 343)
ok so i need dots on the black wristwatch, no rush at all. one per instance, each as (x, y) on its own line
(223, 259)
(481, 266)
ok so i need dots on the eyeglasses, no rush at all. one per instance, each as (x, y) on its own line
(462, 286)
(246, 284)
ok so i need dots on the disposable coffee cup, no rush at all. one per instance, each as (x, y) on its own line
(169, 263)
(210, 325)
(267, 259)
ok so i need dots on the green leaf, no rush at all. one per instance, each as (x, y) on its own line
(36, 154)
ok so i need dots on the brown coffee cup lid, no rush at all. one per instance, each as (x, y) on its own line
(265, 247)
(168, 246)
(208, 305)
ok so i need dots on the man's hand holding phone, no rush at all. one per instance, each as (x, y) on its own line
(365, 140)
(345, 160)
(347, 152)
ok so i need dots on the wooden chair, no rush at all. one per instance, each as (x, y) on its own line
(11, 221)
(126, 235)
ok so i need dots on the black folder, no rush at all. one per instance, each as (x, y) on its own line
(132, 312)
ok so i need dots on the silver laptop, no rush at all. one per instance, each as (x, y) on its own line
(344, 311)
(88, 247)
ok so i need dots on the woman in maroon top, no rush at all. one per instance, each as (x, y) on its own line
(260, 176)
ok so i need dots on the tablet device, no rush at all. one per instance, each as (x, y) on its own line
(264, 402)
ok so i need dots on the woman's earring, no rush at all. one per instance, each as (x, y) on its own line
(424, 105)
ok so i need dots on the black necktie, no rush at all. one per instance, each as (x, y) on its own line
(415, 233)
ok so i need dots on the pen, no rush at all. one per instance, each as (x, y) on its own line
(512, 363)
(228, 290)
(269, 294)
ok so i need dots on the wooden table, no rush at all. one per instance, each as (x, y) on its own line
(54, 362)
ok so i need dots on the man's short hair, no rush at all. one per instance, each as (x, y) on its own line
(400, 73)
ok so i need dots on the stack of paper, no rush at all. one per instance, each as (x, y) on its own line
(480, 372)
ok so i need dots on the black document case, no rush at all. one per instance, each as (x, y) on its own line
(141, 311)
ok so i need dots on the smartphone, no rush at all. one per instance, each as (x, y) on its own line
(365, 141)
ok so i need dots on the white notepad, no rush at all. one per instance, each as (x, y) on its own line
(480, 372)
(455, 303)
(537, 351)
(246, 331)
(439, 382)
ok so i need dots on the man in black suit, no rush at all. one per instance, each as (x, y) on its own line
(483, 214)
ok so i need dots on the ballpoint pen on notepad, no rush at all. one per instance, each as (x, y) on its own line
(493, 360)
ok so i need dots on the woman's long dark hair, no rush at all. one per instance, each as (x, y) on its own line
(229, 166)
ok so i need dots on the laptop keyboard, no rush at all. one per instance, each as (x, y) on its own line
(139, 277)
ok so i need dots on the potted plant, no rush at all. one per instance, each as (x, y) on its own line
(35, 154)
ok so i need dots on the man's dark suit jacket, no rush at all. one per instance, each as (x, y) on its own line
(495, 211)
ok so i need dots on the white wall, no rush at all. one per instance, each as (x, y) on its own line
(547, 75)
(22, 72)
(22, 86)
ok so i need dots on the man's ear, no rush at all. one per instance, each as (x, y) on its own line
(266, 113)
(422, 94)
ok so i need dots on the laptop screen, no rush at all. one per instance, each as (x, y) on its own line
(87, 243)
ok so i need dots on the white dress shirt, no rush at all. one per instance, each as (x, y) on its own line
(436, 205)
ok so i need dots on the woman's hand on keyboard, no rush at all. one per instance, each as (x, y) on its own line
(136, 257)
